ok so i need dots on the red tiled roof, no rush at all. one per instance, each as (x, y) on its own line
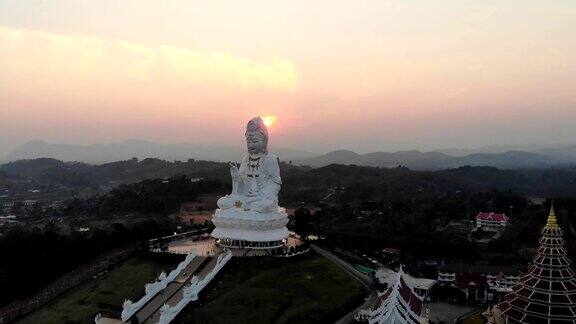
(410, 297)
(383, 297)
(492, 217)
(399, 298)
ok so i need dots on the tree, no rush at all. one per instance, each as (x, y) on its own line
(302, 220)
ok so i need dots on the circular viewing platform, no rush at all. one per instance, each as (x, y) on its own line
(238, 228)
(242, 244)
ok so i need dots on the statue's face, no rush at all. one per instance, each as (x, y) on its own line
(255, 143)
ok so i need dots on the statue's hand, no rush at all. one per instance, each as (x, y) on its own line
(234, 170)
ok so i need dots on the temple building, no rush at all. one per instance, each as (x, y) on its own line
(479, 282)
(398, 304)
(491, 221)
(421, 286)
(547, 293)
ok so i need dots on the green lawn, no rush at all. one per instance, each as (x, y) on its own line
(107, 294)
(303, 289)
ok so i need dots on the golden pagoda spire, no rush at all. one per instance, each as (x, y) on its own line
(552, 223)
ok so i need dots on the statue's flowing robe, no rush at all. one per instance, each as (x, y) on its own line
(263, 182)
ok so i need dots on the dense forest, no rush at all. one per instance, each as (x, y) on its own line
(148, 197)
(362, 209)
(532, 182)
(33, 257)
(26, 250)
(109, 174)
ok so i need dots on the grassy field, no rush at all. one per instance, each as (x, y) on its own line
(80, 304)
(303, 289)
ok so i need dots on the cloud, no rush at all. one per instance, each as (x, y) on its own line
(30, 55)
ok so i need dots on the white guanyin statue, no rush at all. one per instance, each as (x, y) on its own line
(255, 185)
(250, 217)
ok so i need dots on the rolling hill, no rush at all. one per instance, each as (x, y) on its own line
(103, 153)
(436, 160)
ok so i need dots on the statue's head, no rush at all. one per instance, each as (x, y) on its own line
(256, 136)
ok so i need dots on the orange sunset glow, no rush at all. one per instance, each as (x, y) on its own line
(269, 120)
(374, 75)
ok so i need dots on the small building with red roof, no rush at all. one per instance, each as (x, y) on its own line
(491, 221)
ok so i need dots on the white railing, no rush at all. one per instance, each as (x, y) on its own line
(191, 291)
(129, 308)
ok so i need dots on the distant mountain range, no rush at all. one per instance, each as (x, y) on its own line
(541, 158)
(497, 149)
(103, 153)
(500, 156)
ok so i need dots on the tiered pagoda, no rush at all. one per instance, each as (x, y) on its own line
(547, 293)
(399, 304)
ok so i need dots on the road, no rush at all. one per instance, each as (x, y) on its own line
(366, 281)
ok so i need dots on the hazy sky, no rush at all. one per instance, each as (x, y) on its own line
(362, 75)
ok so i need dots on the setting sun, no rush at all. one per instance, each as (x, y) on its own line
(269, 120)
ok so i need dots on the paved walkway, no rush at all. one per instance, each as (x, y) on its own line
(445, 312)
(179, 294)
(145, 313)
(207, 247)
